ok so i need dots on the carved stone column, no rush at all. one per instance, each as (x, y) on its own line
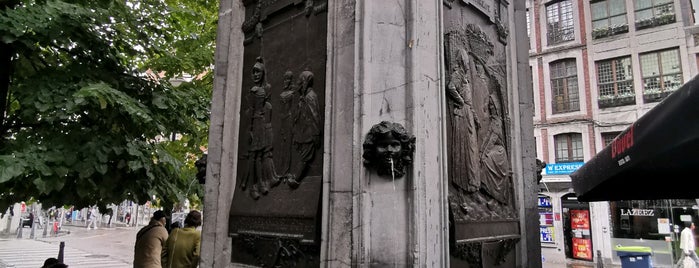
(385, 65)
(300, 83)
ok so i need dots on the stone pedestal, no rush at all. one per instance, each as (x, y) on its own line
(283, 193)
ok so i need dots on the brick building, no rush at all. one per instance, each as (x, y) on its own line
(597, 66)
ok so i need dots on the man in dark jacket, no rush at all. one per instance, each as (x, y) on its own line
(150, 241)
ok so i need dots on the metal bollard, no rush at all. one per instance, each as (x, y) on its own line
(46, 229)
(19, 229)
(60, 251)
(31, 233)
(600, 262)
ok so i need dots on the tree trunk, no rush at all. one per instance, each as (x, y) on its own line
(5, 63)
(6, 52)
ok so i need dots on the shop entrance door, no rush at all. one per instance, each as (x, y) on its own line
(577, 230)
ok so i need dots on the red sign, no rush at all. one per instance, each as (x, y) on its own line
(582, 248)
(622, 143)
(580, 219)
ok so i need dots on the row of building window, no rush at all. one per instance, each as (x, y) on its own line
(609, 17)
(660, 70)
(569, 146)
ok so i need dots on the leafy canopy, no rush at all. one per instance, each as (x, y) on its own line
(84, 117)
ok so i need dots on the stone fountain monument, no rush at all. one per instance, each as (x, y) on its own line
(351, 133)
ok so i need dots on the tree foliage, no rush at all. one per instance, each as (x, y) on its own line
(83, 120)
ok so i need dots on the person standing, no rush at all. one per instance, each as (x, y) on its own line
(183, 244)
(150, 241)
(687, 242)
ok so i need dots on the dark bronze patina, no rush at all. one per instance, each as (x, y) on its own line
(274, 220)
(484, 222)
(388, 149)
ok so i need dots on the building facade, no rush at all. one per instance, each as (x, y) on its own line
(597, 66)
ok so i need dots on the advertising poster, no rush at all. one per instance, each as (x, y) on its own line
(546, 234)
(582, 241)
(664, 226)
(545, 218)
(582, 248)
(546, 231)
(580, 219)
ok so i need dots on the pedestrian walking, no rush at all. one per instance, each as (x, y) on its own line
(127, 218)
(92, 218)
(688, 246)
(183, 245)
(150, 242)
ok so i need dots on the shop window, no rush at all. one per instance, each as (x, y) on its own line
(662, 74)
(655, 222)
(615, 82)
(560, 23)
(651, 13)
(569, 147)
(564, 86)
(608, 137)
(608, 18)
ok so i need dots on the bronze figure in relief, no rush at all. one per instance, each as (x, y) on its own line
(388, 148)
(260, 173)
(495, 162)
(479, 167)
(464, 124)
(306, 129)
(287, 98)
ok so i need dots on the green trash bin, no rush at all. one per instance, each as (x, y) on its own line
(635, 256)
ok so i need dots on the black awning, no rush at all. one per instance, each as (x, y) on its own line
(657, 157)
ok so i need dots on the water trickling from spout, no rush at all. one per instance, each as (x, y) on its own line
(393, 175)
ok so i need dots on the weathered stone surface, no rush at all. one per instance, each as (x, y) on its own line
(384, 61)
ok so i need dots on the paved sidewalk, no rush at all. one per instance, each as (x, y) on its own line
(103, 247)
(20, 253)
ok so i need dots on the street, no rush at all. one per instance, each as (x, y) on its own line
(104, 247)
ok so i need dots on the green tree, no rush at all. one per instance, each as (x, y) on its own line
(84, 118)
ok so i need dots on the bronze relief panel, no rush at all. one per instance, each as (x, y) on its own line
(484, 222)
(274, 219)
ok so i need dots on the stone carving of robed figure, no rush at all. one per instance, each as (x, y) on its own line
(306, 129)
(464, 125)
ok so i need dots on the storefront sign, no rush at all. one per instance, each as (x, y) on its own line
(562, 168)
(637, 212)
(582, 248)
(544, 201)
